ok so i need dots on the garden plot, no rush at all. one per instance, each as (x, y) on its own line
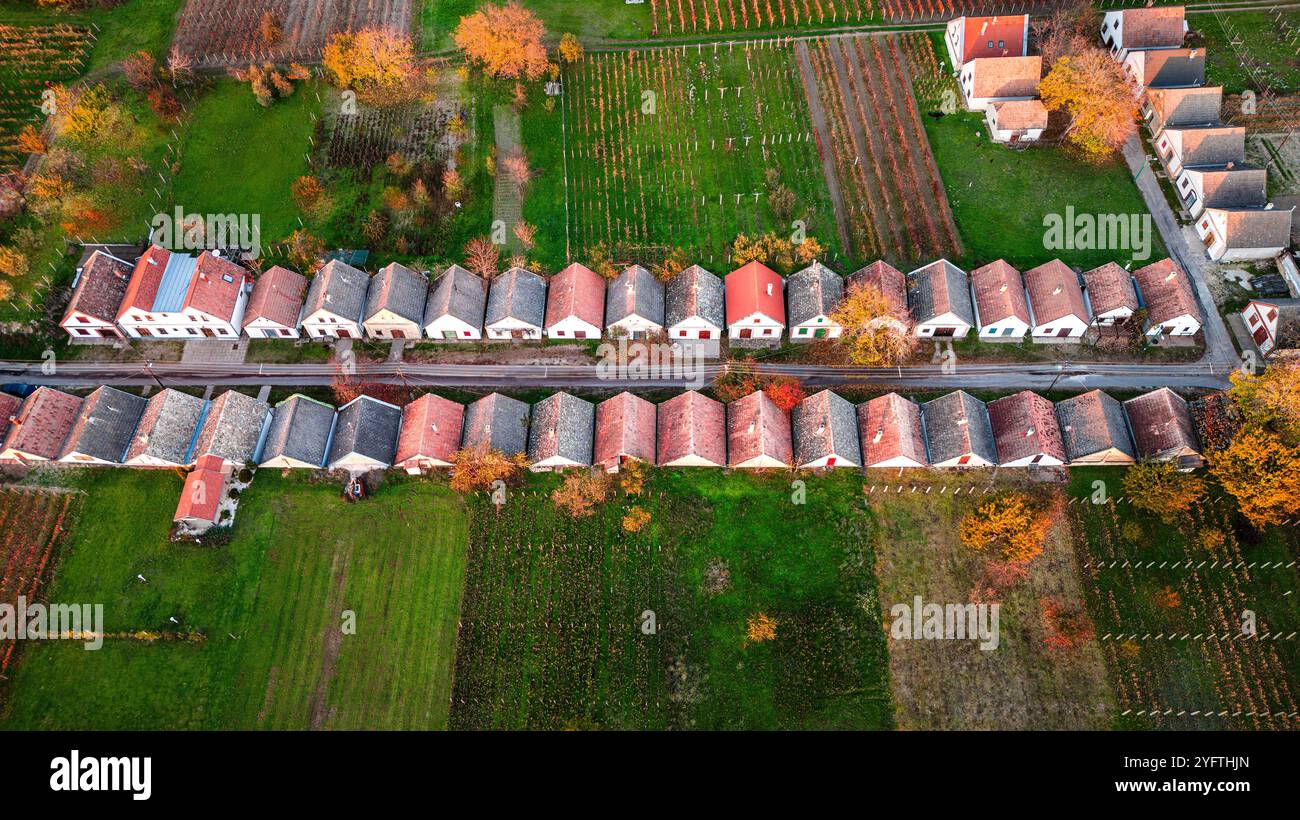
(370, 136)
(31, 59)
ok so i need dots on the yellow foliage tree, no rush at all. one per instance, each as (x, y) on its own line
(760, 628)
(474, 469)
(1009, 525)
(377, 63)
(874, 332)
(1091, 88)
(1262, 472)
(505, 40)
(581, 492)
(1158, 487)
(635, 519)
(571, 50)
(1271, 399)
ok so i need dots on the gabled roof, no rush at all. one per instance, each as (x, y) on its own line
(300, 430)
(1158, 27)
(431, 427)
(517, 294)
(824, 424)
(167, 427)
(938, 288)
(366, 427)
(695, 292)
(398, 290)
(43, 422)
(1187, 106)
(1166, 292)
(956, 425)
(692, 424)
(1161, 423)
(635, 291)
(999, 293)
(1020, 115)
(1054, 293)
(1110, 287)
(1007, 29)
(1005, 76)
(340, 289)
(563, 427)
(277, 297)
(814, 291)
(106, 425)
(1091, 423)
(1254, 227)
(9, 407)
(201, 496)
(754, 288)
(1210, 144)
(1169, 67)
(886, 278)
(496, 422)
(1232, 186)
(757, 427)
(578, 292)
(214, 287)
(459, 294)
(1024, 425)
(232, 427)
(101, 288)
(145, 280)
(889, 427)
(625, 426)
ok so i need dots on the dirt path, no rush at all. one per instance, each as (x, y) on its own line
(507, 194)
(818, 115)
(320, 709)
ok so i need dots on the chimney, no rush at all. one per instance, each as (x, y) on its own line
(769, 288)
(1229, 165)
(879, 434)
(1003, 289)
(1056, 291)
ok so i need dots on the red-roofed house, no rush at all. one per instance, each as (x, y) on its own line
(97, 294)
(989, 80)
(758, 434)
(275, 308)
(1274, 324)
(1110, 294)
(891, 433)
(1026, 431)
(755, 303)
(969, 38)
(1162, 428)
(201, 496)
(175, 295)
(1001, 308)
(1167, 296)
(1130, 29)
(9, 407)
(1016, 121)
(692, 432)
(575, 304)
(625, 430)
(1056, 301)
(41, 425)
(429, 435)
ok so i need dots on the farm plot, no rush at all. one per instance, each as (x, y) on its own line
(678, 17)
(32, 58)
(1169, 603)
(32, 526)
(893, 198)
(215, 33)
(681, 148)
(370, 136)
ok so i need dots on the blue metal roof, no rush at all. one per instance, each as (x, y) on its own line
(175, 283)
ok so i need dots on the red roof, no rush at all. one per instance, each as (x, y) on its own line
(1161, 423)
(1024, 425)
(1166, 292)
(1110, 288)
(889, 427)
(754, 288)
(201, 495)
(1054, 293)
(146, 278)
(980, 31)
(625, 426)
(214, 288)
(43, 423)
(757, 427)
(889, 280)
(1160, 27)
(9, 406)
(99, 293)
(431, 428)
(277, 297)
(692, 425)
(576, 291)
(999, 293)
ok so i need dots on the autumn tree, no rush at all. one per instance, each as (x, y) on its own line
(786, 392)
(269, 30)
(379, 64)
(1008, 525)
(13, 263)
(1270, 400)
(307, 192)
(141, 71)
(1158, 487)
(760, 628)
(570, 48)
(635, 519)
(506, 41)
(1070, 29)
(1261, 471)
(632, 478)
(305, 251)
(581, 492)
(479, 468)
(32, 141)
(1092, 89)
(874, 332)
(517, 168)
(1065, 625)
(526, 233)
(483, 256)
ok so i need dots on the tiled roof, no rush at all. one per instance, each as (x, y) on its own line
(366, 427)
(814, 291)
(457, 293)
(9, 407)
(757, 427)
(1159, 27)
(1091, 423)
(215, 286)
(1255, 227)
(625, 426)
(1166, 292)
(979, 32)
(576, 291)
(692, 424)
(1169, 67)
(1020, 115)
(1005, 76)
(496, 422)
(277, 297)
(43, 422)
(999, 293)
(167, 428)
(889, 427)
(232, 427)
(1236, 186)
(938, 288)
(634, 292)
(754, 288)
(956, 425)
(431, 427)
(695, 292)
(145, 280)
(563, 427)
(101, 288)
(300, 430)
(1054, 293)
(340, 289)
(517, 294)
(1109, 288)
(824, 424)
(399, 290)
(1211, 145)
(886, 278)
(1160, 423)
(1186, 106)
(201, 495)
(1024, 425)
(106, 425)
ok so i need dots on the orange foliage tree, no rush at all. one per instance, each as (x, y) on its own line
(1271, 399)
(474, 469)
(635, 519)
(1092, 89)
(1065, 625)
(785, 392)
(874, 334)
(505, 40)
(483, 256)
(378, 64)
(1008, 524)
(581, 492)
(1262, 471)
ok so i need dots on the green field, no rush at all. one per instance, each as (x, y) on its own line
(1000, 197)
(1268, 37)
(270, 607)
(435, 20)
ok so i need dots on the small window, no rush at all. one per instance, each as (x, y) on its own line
(1002, 43)
(990, 44)
(225, 277)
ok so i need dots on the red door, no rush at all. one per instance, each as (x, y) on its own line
(746, 333)
(706, 334)
(830, 461)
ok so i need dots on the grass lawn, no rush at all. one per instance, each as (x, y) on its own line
(1000, 197)
(1261, 36)
(434, 21)
(223, 171)
(270, 606)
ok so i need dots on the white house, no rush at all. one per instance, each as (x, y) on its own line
(1243, 234)
(1110, 294)
(1016, 121)
(335, 303)
(1144, 28)
(575, 304)
(455, 308)
(970, 38)
(1200, 145)
(365, 435)
(1056, 302)
(695, 305)
(395, 300)
(1167, 295)
(1001, 309)
(634, 304)
(1274, 324)
(940, 300)
(516, 306)
(812, 295)
(97, 293)
(175, 295)
(989, 80)
(275, 308)
(1222, 186)
(755, 303)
